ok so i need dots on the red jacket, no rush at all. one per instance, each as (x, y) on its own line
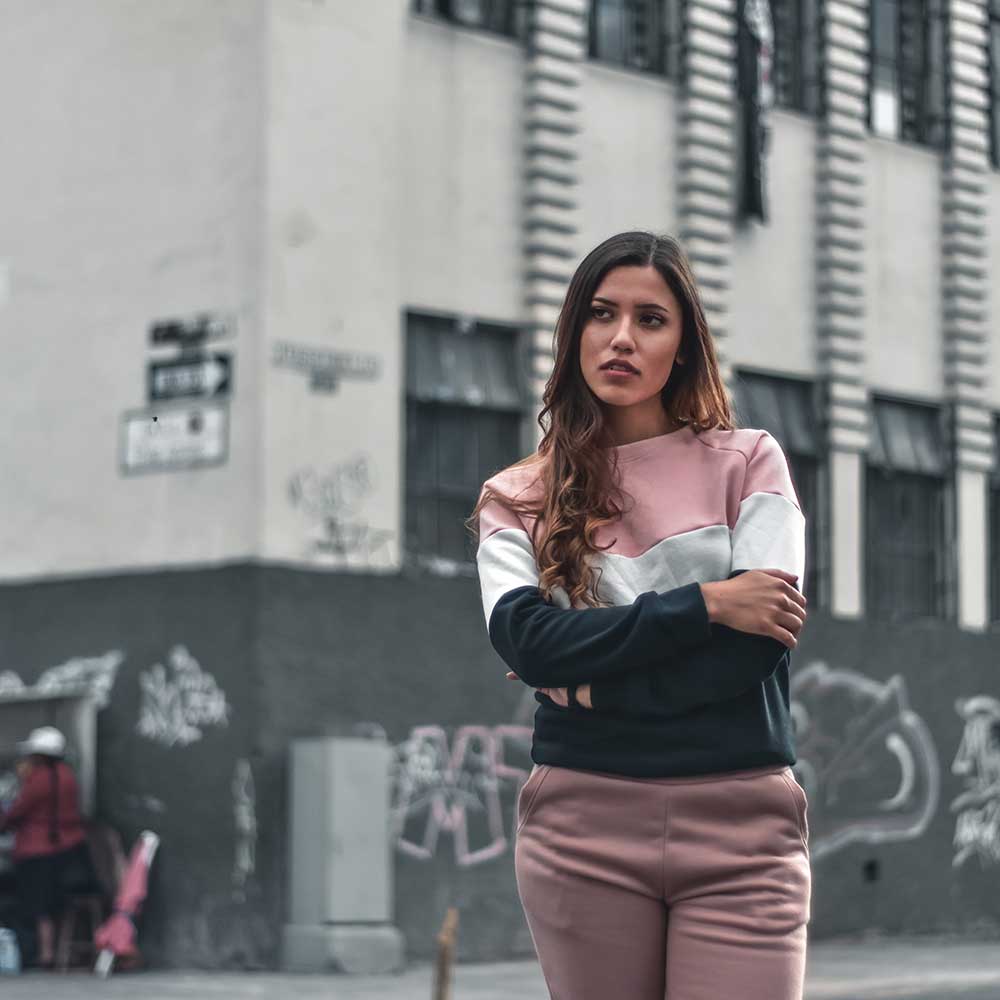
(30, 815)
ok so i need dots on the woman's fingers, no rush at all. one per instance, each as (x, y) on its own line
(784, 636)
(789, 621)
(792, 594)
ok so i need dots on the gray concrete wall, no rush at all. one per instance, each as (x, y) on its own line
(889, 745)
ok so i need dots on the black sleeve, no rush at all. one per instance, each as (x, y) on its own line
(548, 646)
(730, 663)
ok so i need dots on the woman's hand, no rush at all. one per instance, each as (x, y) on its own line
(561, 695)
(761, 601)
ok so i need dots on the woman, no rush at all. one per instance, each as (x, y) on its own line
(49, 838)
(639, 571)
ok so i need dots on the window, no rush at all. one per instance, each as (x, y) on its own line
(907, 574)
(638, 34)
(994, 62)
(787, 408)
(796, 54)
(906, 87)
(465, 396)
(503, 17)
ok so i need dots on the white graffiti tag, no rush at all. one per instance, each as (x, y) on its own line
(175, 707)
(95, 674)
(866, 760)
(977, 825)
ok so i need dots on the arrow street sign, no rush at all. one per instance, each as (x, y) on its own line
(200, 377)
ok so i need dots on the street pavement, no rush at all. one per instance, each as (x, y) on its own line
(871, 969)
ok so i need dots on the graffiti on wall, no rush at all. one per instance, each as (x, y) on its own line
(245, 822)
(179, 702)
(977, 762)
(458, 786)
(95, 674)
(335, 502)
(233, 929)
(866, 760)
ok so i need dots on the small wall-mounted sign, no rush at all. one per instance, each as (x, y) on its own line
(175, 438)
(211, 375)
(190, 332)
(325, 368)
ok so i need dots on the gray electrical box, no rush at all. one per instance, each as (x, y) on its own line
(340, 858)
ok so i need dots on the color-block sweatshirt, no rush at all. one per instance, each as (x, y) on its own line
(672, 693)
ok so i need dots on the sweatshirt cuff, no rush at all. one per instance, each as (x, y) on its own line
(685, 615)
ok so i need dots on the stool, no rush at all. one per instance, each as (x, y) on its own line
(69, 946)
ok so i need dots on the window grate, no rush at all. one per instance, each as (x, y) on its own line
(907, 74)
(500, 17)
(797, 54)
(465, 388)
(907, 572)
(643, 35)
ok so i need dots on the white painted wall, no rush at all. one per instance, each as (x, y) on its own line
(628, 148)
(773, 300)
(458, 238)
(335, 222)
(903, 278)
(130, 189)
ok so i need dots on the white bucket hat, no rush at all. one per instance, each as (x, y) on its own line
(47, 740)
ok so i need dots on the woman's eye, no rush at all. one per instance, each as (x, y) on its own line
(594, 310)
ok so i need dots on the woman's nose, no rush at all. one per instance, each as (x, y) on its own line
(623, 332)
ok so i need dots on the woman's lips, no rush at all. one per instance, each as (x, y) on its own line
(619, 373)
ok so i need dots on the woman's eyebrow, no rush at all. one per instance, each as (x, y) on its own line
(638, 305)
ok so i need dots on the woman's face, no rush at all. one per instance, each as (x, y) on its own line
(634, 318)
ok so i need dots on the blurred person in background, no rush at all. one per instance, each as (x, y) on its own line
(50, 847)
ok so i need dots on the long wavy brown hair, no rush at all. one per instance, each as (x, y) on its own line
(580, 484)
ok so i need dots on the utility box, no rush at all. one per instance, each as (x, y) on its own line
(340, 860)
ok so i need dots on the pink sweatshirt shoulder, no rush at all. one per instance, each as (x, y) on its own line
(516, 482)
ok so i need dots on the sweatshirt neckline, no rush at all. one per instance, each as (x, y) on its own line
(645, 447)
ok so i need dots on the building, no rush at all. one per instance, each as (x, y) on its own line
(277, 286)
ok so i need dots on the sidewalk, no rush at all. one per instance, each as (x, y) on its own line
(883, 969)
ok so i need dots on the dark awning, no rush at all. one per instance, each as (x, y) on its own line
(907, 437)
(782, 406)
(474, 368)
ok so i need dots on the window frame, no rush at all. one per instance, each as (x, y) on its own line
(806, 88)
(415, 552)
(928, 126)
(940, 553)
(668, 27)
(444, 10)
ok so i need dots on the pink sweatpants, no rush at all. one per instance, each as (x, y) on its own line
(665, 888)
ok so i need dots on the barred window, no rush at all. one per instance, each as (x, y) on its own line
(789, 410)
(465, 397)
(797, 54)
(638, 34)
(906, 87)
(907, 575)
(502, 17)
